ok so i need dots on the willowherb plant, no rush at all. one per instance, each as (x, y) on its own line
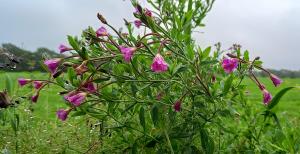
(158, 91)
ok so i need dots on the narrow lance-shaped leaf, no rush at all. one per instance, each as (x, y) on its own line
(277, 97)
(142, 117)
(154, 115)
(206, 142)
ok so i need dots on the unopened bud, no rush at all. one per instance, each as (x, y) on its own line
(68, 64)
(101, 18)
(126, 22)
(231, 55)
(57, 74)
(257, 58)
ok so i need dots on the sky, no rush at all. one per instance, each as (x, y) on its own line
(267, 28)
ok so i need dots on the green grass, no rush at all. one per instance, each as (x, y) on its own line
(41, 132)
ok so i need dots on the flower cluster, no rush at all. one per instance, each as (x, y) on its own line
(231, 64)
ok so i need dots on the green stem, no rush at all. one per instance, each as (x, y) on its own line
(169, 142)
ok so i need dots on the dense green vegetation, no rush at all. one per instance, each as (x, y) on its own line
(41, 132)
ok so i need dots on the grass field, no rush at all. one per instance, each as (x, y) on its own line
(41, 131)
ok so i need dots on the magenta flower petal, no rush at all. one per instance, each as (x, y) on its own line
(127, 52)
(90, 87)
(276, 80)
(62, 48)
(62, 114)
(148, 12)
(34, 98)
(101, 32)
(52, 64)
(177, 106)
(76, 98)
(159, 64)
(229, 65)
(23, 81)
(138, 23)
(267, 97)
(37, 84)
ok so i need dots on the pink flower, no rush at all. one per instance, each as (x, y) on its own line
(101, 32)
(62, 48)
(138, 23)
(62, 114)
(52, 64)
(76, 98)
(276, 80)
(148, 12)
(35, 97)
(23, 81)
(37, 84)
(90, 87)
(159, 64)
(229, 65)
(177, 106)
(127, 52)
(267, 97)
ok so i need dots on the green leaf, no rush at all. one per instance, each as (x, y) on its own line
(154, 115)
(142, 117)
(60, 81)
(228, 84)
(246, 55)
(206, 52)
(99, 80)
(277, 97)
(206, 142)
(71, 75)
(73, 43)
(78, 113)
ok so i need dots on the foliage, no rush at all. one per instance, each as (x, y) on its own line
(160, 92)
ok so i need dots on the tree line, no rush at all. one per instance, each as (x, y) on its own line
(32, 60)
(14, 58)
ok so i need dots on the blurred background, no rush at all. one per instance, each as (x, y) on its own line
(267, 28)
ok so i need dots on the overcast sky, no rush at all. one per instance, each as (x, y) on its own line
(268, 28)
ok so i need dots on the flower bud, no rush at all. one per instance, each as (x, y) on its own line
(52, 64)
(275, 79)
(35, 97)
(90, 87)
(101, 32)
(62, 48)
(62, 114)
(76, 98)
(177, 106)
(127, 52)
(23, 81)
(267, 97)
(138, 23)
(101, 18)
(37, 84)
